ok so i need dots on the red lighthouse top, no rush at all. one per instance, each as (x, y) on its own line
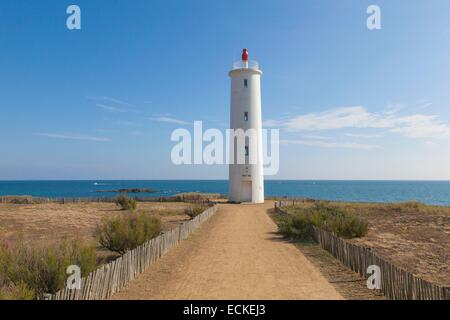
(244, 55)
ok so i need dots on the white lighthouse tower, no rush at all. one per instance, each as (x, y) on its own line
(246, 180)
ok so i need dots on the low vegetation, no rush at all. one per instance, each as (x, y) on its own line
(20, 291)
(126, 203)
(198, 196)
(301, 219)
(17, 199)
(125, 232)
(27, 272)
(29, 269)
(195, 210)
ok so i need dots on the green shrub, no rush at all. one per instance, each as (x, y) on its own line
(299, 224)
(26, 271)
(297, 227)
(16, 292)
(125, 232)
(195, 210)
(347, 226)
(338, 221)
(126, 203)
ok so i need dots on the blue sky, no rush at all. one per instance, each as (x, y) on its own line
(101, 102)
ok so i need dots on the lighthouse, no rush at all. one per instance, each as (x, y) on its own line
(246, 178)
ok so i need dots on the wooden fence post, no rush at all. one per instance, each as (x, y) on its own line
(396, 283)
(110, 278)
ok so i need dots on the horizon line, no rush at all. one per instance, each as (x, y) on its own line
(324, 180)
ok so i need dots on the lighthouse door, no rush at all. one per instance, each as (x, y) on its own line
(246, 194)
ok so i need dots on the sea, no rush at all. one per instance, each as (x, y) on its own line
(429, 192)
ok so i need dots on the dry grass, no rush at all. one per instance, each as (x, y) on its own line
(40, 228)
(123, 233)
(27, 272)
(348, 283)
(203, 195)
(43, 224)
(338, 221)
(412, 235)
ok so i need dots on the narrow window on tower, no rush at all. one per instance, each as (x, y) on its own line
(246, 151)
(245, 116)
(246, 83)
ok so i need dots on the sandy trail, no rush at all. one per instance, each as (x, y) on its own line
(235, 255)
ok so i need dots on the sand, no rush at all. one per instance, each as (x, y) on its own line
(237, 254)
(415, 241)
(41, 224)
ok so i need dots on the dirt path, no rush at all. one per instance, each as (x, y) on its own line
(235, 255)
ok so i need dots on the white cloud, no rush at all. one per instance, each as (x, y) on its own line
(412, 126)
(113, 100)
(127, 123)
(272, 123)
(423, 104)
(394, 108)
(363, 136)
(73, 137)
(110, 108)
(422, 126)
(315, 137)
(331, 144)
(117, 101)
(339, 118)
(112, 104)
(166, 119)
(431, 144)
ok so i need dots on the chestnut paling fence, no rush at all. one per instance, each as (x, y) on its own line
(110, 278)
(40, 200)
(396, 283)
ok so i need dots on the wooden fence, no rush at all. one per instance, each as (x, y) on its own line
(396, 283)
(40, 200)
(110, 278)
